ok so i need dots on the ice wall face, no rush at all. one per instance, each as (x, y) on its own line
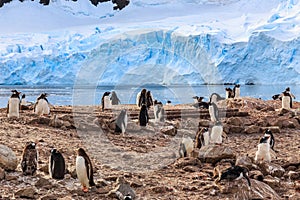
(181, 51)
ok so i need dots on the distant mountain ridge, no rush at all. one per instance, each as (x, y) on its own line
(120, 4)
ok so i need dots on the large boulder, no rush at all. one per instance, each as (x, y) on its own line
(239, 190)
(272, 169)
(8, 159)
(215, 153)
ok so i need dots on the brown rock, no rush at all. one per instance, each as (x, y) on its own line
(187, 161)
(2, 174)
(273, 182)
(294, 175)
(169, 130)
(257, 175)
(26, 193)
(271, 169)
(191, 169)
(162, 189)
(274, 129)
(42, 182)
(252, 129)
(45, 169)
(215, 153)
(235, 121)
(236, 129)
(245, 161)
(8, 159)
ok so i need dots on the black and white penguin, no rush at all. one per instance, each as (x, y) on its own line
(202, 138)
(229, 93)
(236, 91)
(114, 98)
(263, 150)
(121, 122)
(13, 105)
(291, 96)
(56, 165)
(276, 96)
(215, 97)
(268, 133)
(186, 147)
(143, 116)
(159, 112)
(149, 99)
(84, 170)
(105, 101)
(234, 173)
(216, 133)
(169, 103)
(41, 107)
(213, 112)
(29, 162)
(141, 98)
(286, 100)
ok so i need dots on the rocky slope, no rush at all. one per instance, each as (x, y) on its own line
(164, 175)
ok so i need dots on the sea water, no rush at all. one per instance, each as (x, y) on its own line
(177, 94)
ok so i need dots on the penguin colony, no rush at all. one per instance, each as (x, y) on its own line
(204, 136)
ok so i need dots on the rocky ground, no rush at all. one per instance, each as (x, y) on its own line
(148, 157)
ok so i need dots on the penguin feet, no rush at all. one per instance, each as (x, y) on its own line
(85, 189)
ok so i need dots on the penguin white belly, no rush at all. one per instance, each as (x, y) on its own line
(214, 99)
(124, 124)
(138, 96)
(189, 145)
(42, 107)
(237, 93)
(216, 135)
(195, 100)
(206, 138)
(227, 94)
(286, 102)
(212, 114)
(155, 109)
(81, 171)
(263, 152)
(107, 102)
(14, 106)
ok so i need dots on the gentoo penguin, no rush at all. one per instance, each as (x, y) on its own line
(114, 98)
(105, 101)
(214, 98)
(216, 133)
(229, 93)
(169, 103)
(149, 99)
(123, 191)
(234, 173)
(236, 91)
(13, 105)
(29, 161)
(121, 122)
(159, 112)
(268, 133)
(213, 112)
(141, 98)
(197, 99)
(143, 116)
(56, 165)
(41, 107)
(84, 170)
(276, 96)
(186, 147)
(263, 152)
(202, 138)
(291, 96)
(286, 100)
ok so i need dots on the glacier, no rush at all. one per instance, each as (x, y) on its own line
(190, 42)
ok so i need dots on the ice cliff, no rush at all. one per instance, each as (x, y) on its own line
(162, 42)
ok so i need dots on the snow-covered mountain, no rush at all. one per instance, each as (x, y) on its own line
(151, 42)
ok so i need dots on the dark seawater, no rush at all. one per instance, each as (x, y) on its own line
(85, 95)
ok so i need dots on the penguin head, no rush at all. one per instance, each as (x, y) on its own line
(53, 151)
(237, 85)
(144, 91)
(288, 89)
(268, 132)
(205, 129)
(81, 152)
(106, 94)
(15, 94)
(23, 96)
(169, 101)
(195, 97)
(128, 197)
(30, 145)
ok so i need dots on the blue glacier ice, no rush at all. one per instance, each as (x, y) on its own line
(249, 46)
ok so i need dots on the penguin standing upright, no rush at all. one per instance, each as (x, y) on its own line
(186, 147)
(263, 150)
(121, 122)
(84, 170)
(213, 112)
(268, 133)
(216, 133)
(56, 165)
(202, 138)
(229, 93)
(234, 173)
(13, 105)
(236, 91)
(286, 100)
(105, 101)
(114, 98)
(291, 96)
(41, 107)
(24, 104)
(29, 160)
(141, 98)
(149, 99)
(159, 112)
(143, 116)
